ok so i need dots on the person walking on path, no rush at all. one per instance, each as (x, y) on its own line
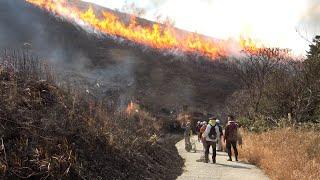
(219, 135)
(210, 136)
(202, 130)
(198, 127)
(187, 136)
(185, 120)
(203, 140)
(231, 137)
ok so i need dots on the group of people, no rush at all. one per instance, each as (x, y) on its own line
(210, 134)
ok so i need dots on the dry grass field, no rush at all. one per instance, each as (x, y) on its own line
(285, 153)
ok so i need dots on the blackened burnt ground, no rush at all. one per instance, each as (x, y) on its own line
(133, 73)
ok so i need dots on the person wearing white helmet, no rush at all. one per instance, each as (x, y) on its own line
(219, 135)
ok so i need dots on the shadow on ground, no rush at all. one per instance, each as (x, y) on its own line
(232, 166)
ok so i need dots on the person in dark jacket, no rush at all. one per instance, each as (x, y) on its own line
(231, 137)
(187, 136)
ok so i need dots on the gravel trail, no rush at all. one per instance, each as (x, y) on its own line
(223, 169)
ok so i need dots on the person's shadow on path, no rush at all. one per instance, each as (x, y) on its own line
(233, 166)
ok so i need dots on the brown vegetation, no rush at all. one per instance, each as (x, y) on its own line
(272, 86)
(47, 132)
(280, 100)
(276, 87)
(288, 154)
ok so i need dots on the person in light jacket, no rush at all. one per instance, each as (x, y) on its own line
(203, 141)
(210, 136)
(219, 135)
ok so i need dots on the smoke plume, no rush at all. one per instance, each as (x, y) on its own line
(309, 24)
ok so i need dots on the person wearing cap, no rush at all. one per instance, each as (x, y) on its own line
(210, 136)
(219, 135)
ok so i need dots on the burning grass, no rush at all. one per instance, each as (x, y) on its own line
(158, 36)
(284, 153)
(47, 132)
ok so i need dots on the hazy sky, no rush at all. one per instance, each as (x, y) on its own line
(273, 22)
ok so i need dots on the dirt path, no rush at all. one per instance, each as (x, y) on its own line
(221, 170)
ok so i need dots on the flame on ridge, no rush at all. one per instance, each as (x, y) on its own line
(163, 37)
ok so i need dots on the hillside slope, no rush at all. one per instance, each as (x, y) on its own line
(123, 72)
(50, 133)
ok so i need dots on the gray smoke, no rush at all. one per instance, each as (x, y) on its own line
(313, 13)
(109, 70)
(309, 23)
(72, 51)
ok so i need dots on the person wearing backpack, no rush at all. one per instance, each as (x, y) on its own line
(210, 136)
(203, 141)
(231, 137)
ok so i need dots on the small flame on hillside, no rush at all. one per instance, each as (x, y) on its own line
(131, 108)
(163, 37)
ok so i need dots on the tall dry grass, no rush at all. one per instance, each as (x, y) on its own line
(49, 132)
(286, 154)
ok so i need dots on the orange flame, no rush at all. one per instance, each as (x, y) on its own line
(248, 44)
(157, 36)
(131, 108)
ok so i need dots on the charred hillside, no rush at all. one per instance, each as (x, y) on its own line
(123, 71)
(50, 133)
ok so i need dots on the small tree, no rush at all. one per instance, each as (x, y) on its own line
(312, 78)
(271, 85)
(312, 62)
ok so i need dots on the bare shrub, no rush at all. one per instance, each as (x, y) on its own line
(273, 85)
